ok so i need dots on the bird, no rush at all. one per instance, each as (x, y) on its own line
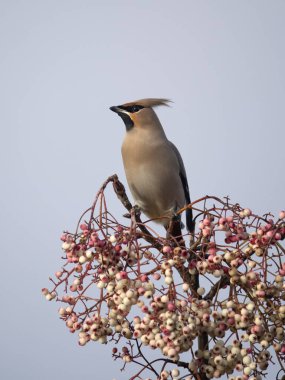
(153, 166)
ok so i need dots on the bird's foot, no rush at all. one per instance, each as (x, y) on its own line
(174, 229)
(176, 218)
(137, 211)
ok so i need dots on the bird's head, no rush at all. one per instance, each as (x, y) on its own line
(139, 113)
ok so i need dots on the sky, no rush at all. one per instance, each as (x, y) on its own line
(63, 63)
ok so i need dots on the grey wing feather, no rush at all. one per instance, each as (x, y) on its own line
(182, 173)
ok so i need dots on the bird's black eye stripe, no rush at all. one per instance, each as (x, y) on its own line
(132, 109)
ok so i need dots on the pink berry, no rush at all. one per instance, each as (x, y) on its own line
(206, 222)
(170, 306)
(123, 275)
(211, 258)
(270, 234)
(141, 290)
(206, 231)
(260, 293)
(231, 321)
(144, 278)
(156, 276)
(166, 249)
(58, 274)
(45, 291)
(73, 288)
(63, 237)
(212, 251)
(265, 239)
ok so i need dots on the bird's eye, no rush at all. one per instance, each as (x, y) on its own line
(136, 108)
(131, 109)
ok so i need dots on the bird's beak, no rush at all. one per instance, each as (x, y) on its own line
(123, 115)
(115, 109)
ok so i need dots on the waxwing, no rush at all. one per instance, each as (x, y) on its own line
(154, 168)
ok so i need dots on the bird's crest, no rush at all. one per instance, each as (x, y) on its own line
(150, 102)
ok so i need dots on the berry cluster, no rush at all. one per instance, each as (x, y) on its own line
(215, 308)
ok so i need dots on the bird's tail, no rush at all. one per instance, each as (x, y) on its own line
(190, 223)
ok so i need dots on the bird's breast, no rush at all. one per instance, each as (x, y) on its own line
(153, 177)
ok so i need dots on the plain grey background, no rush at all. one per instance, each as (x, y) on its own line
(62, 65)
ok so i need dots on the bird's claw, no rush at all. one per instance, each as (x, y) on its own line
(175, 218)
(137, 211)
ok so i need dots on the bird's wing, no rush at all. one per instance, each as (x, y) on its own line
(182, 173)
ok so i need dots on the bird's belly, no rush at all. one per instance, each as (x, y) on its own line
(157, 195)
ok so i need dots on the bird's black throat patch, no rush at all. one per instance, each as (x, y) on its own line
(127, 120)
